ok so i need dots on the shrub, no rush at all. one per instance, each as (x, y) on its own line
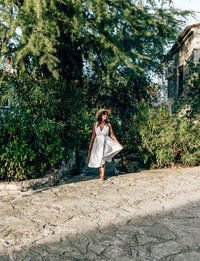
(29, 146)
(164, 140)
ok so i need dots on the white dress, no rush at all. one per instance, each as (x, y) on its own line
(104, 147)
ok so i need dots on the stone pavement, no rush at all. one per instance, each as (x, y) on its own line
(150, 215)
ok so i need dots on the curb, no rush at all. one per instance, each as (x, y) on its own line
(48, 180)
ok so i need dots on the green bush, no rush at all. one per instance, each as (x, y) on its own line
(29, 146)
(164, 140)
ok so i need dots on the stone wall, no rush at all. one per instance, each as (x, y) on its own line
(50, 179)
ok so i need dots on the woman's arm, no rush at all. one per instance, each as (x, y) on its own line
(93, 135)
(91, 141)
(112, 135)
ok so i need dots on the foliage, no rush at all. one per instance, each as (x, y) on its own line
(115, 42)
(74, 57)
(29, 146)
(136, 37)
(163, 140)
(193, 90)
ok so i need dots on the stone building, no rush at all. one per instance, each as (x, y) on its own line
(186, 48)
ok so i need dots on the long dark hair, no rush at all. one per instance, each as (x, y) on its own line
(100, 118)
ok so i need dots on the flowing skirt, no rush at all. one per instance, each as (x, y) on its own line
(104, 149)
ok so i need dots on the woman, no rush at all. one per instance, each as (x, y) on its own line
(105, 147)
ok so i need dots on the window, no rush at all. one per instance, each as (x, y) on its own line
(180, 80)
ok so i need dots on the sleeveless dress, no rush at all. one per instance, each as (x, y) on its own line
(104, 147)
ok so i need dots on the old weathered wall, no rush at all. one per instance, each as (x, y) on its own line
(189, 50)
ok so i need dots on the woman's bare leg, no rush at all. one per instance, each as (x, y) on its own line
(104, 169)
(100, 172)
(102, 175)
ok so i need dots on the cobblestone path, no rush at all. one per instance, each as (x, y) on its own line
(151, 215)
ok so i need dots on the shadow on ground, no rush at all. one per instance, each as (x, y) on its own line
(93, 173)
(166, 236)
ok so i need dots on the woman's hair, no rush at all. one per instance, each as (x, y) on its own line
(100, 118)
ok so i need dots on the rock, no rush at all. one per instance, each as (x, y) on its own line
(132, 166)
(4, 257)
(192, 256)
(50, 179)
(117, 251)
(166, 249)
(81, 244)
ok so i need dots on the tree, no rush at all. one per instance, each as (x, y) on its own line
(64, 49)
